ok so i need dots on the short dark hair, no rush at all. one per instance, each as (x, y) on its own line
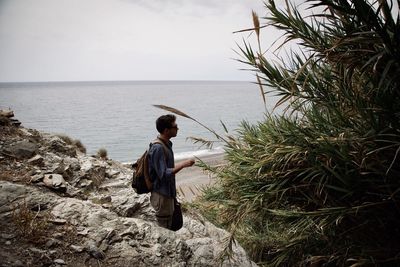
(165, 122)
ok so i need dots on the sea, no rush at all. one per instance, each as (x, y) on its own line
(120, 116)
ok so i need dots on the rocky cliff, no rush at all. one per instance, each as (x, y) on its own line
(61, 207)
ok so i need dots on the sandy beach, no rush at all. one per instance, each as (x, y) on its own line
(190, 180)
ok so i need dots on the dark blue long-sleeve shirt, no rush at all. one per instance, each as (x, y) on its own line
(161, 169)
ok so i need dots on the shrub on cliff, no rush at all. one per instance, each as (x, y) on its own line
(77, 143)
(102, 153)
(80, 146)
(320, 184)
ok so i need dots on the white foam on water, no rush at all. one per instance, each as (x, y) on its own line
(198, 153)
(193, 154)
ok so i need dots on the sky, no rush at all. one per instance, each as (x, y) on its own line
(103, 40)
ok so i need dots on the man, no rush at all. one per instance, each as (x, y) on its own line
(162, 169)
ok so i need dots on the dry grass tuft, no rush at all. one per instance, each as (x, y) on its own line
(73, 142)
(80, 146)
(32, 225)
(102, 153)
(68, 140)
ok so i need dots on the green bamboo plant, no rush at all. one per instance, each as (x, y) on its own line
(319, 185)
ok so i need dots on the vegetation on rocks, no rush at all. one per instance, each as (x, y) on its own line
(77, 143)
(28, 223)
(102, 153)
(320, 184)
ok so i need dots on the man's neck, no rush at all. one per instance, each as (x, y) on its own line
(164, 138)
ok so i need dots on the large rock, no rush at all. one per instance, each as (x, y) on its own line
(11, 194)
(127, 203)
(58, 145)
(22, 149)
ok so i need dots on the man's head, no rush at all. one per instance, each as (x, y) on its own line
(167, 126)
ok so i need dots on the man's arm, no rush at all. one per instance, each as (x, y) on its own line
(158, 162)
(183, 164)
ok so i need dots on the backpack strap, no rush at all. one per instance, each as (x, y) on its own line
(165, 148)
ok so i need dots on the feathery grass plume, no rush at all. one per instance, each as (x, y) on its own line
(256, 23)
(174, 110)
(180, 113)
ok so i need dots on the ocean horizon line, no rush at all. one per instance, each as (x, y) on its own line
(122, 81)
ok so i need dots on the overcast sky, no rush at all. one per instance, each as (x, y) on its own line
(64, 40)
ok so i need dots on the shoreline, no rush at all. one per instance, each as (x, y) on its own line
(190, 180)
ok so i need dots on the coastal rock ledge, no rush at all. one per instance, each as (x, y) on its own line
(61, 207)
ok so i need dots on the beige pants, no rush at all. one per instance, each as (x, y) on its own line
(164, 208)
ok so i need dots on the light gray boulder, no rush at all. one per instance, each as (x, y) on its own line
(12, 194)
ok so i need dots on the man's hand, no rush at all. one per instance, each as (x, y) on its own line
(183, 164)
(188, 163)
